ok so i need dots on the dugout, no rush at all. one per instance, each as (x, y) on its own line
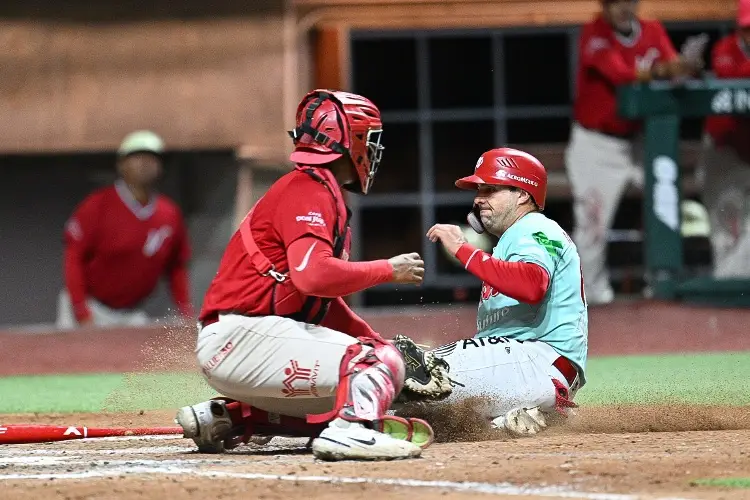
(663, 106)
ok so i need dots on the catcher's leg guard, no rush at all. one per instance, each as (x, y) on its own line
(359, 427)
(369, 382)
(222, 424)
(207, 423)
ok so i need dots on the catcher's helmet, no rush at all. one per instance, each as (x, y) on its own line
(331, 124)
(509, 167)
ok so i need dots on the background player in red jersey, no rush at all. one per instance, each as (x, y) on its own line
(724, 169)
(615, 48)
(121, 240)
(276, 338)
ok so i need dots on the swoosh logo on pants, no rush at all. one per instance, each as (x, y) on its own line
(306, 258)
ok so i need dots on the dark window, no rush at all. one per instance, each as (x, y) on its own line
(536, 69)
(531, 130)
(691, 128)
(678, 35)
(456, 148)
(399, 171)
(461, 74)
(386, 72)
(390, 231)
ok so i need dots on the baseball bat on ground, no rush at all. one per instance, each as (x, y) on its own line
(33, 433)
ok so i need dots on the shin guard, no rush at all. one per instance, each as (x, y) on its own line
(370, 379)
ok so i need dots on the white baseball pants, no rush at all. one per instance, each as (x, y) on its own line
(725, 180)
(101, 315)
(503, 374)
(599, 169)
(275, 364)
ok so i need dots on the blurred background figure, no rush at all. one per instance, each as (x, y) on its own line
(615, 48)
(121, 240)
(724, 169)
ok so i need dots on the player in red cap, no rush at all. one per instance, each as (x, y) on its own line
(724, 168)
(528, 356)
(615, 48)
(276, 338)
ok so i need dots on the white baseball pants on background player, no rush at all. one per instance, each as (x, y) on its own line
(725, 180)
(599, 169)
(504, 373)
(272, 363)
(101, 315)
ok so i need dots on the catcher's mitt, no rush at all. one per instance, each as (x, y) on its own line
(426, 375)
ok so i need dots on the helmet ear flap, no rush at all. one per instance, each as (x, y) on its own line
(307, 125)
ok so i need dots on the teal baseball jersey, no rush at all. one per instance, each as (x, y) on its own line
(561, 319)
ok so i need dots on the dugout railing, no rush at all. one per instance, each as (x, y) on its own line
(662, 106)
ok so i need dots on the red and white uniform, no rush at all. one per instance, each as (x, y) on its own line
(600, 158)
(255, 345)
(724, 169)
(116, 250)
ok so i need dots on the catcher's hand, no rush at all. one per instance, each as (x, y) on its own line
(426, 376)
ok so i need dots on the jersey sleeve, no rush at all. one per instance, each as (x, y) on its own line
(537, 248)
(597, 53)
(725, 65)
(309, 212)
(78, 238)
(80, 228)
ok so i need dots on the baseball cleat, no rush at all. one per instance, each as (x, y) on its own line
(521, 421)
(207, 424)
(345, 440)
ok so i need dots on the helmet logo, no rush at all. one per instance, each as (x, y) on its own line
(479, 162)
(507, 162)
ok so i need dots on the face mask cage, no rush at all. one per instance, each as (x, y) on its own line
(374, 155)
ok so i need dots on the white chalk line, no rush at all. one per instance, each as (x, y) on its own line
(73, 461)
(159, 450)
(472, 487)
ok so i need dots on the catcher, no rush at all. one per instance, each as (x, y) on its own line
(528, 356)
(276, 339)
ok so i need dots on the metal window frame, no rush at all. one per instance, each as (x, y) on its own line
(426, 199)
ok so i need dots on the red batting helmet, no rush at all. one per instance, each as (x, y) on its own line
(331, 124)
(509, 167)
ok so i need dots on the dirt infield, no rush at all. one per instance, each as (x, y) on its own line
(601, 455)
(613, 453)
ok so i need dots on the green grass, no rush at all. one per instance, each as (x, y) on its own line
(726, 482)
(714, 378)
(718, 379)
(101, 392)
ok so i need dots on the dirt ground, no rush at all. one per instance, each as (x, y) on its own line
(613, 453)
(603, 453)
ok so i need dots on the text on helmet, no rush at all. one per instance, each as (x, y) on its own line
(505, 175)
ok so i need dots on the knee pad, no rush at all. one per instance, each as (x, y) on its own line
(370, 378)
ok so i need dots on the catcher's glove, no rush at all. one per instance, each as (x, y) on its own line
(426, 376)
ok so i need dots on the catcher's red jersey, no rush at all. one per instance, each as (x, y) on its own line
(731, 60)
(607, 59)
(116, 250)
(294, 207)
